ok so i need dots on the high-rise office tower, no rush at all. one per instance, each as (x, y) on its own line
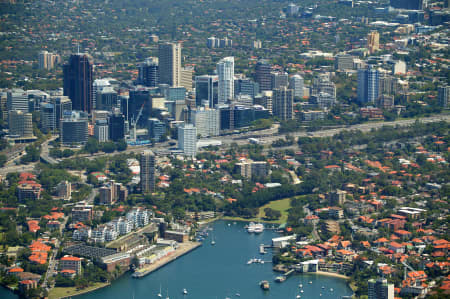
(156, 129)
(139, 98)
(62, 104)
(116, 122)
(186, 78)
(343, 62)
(149, 72)
(187, 139)
(282, 103)
(380, 289)
(107, 99)
(206, 90)
(78, 80)
(169, 55)
(225, 71)
(322, 84)
(368, 85)
(17, 99)
(388, 84)
(97, 87)
(263, 76)
(373, 41)
(101, 130)
(408, 4)
(74, 127)
(48, 121)
(244, 86)
(296, 83)
(207, 121)
(443, 95)
(20, 123)
(279, 80)
(147, 171)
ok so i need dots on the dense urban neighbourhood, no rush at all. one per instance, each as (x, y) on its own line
(128, 126)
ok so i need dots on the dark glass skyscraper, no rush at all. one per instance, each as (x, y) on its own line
(149, 73)
(78, 79)
(116, 127)
(263, 76)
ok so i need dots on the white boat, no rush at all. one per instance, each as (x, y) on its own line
(213, 242)
(301, 291)
(185, 292)
(298, 296)
(300, 286)
(255, 227)
(331, 290)
(159, 294)
(310, 282)
(238, 295)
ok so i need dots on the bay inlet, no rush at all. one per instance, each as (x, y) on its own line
(221, 270)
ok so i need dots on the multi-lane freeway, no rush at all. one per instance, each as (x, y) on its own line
(265, 136)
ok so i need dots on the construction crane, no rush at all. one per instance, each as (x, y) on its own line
(134, 125)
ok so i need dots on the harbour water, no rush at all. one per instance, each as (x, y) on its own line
(219, 271)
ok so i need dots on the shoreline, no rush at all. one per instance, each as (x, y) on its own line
(183, 249)
(331, 274)
(77, 293)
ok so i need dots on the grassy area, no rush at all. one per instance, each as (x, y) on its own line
(281, 205)
(68, 292)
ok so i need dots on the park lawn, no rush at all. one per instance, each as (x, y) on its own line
(72, 291)
(282, 205)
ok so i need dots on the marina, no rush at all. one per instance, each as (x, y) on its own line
(234, 247)
(228, 261)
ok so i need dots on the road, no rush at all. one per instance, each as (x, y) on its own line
(45, 153)
(266, 136)
(366, 127)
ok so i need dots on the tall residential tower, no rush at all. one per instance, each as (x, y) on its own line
(225, 71)
(169, 56)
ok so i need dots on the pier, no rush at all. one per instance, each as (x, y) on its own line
(289, 273)
(262, 248)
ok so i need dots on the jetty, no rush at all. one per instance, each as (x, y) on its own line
(183, 249)
(262, 248)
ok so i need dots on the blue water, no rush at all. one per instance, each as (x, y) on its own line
(221, 271)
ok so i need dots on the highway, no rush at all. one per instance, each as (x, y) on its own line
(265, 136)
(366, 127)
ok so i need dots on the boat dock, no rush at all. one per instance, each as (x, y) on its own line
(262, 248)
(289, 273)
(183, 249)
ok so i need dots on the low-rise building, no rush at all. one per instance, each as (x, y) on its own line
(180, 237)
(69, 262)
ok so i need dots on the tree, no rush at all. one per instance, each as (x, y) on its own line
(272, 214)
(108, 147)
(92, 146)
(3, 160)
(121, 145)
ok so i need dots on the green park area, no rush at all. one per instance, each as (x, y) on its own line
(282, 206)
(56, 293)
